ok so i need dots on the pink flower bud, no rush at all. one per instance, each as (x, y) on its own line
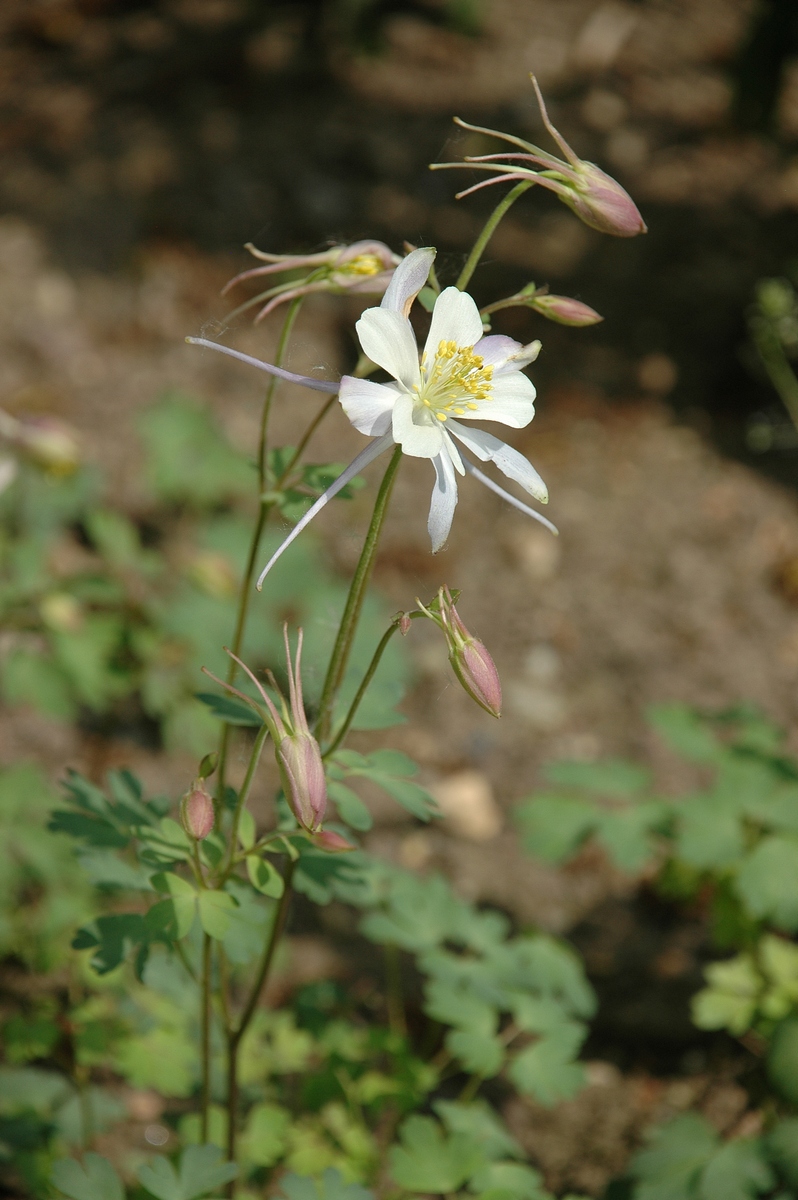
(471, 662)
(477, 672)
(296, 750)
(302, 773)
(564, 310)
(600, 202)
(196, 811)
(404, 623)
(333, 843)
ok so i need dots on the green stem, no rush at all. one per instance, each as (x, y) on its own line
(246, 588)
(393, 990)
(205, 1036)
(243, 794)
(235, 1035)
(777, 365)
(354, 603)
(488, 231)
(343, 729)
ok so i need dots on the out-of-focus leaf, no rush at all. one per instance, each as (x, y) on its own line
(95, 1179)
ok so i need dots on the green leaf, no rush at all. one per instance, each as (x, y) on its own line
(31, 678)
(480, 1053)
(736, 1172)
(264, 1139)
(264, 876)
(546, 1069)
(110, 937)
(685, 732)
(730, 1001)
(95, 1180)
(481, 1124)
(625, 833)
(166, 843)
(26, 1038)
(202, 1170)
(430, 1161)
(106, 869)
(553, 827)
(768, 881)
(233, 712)
(669, 1168)
(782, 1144)
(188, 457)
(246, 829)
(513, 1179)
(610, 778)
(215, 910)
(331, 1186)
(183, 898)
(351, 808)
(782, 1059)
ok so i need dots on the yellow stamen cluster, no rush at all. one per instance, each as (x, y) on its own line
(364, 264)
(456, 380)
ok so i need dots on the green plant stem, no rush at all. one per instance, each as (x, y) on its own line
(243, 794)
(393, 990)
(471, 1088)
(487, 232)
(354, 602)
(205, 1036)
(361, 691)
(777, 365)
(234, 1036)
(264, 505)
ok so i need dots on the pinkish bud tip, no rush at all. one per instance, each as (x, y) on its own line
(600, 202)
(477, 672)
(565, 311)
(196, 811)
(404, 624)
(333, 843)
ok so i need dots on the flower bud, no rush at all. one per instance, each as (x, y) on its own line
(50, 444)
(564, 310)
(600, 202)
(333, 843)
(302, 772)
(196, 811)
(404, 624)
(471, 662)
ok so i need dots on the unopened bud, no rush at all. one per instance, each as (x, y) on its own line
(333, 843)
(404, 624)
(208, 765)
(196, 811)
(50, 444)
(471, 662)
(302, 771)
(564, 310)
(600, 202)
(476, 670)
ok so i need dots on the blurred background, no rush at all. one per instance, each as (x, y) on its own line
(143, 143)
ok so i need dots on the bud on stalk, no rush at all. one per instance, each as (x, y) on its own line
(565, 311)
(470, 660)
(196, 811)
(296, 750)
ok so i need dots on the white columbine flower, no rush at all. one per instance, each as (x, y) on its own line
(461, 377)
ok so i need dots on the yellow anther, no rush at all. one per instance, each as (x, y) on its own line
(441, 416)
(364, 264)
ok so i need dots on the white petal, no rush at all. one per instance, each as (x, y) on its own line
(509, 461)
(494, 487)
(511, 402)
(372, 451)
(368, 405)
(496, 348)
(521, 358)
(408, 280)
(455, 318)
(454, 454)
(421, 437)
(444, 501)
(388, 339)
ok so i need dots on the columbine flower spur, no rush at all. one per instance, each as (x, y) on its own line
(462, 377)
